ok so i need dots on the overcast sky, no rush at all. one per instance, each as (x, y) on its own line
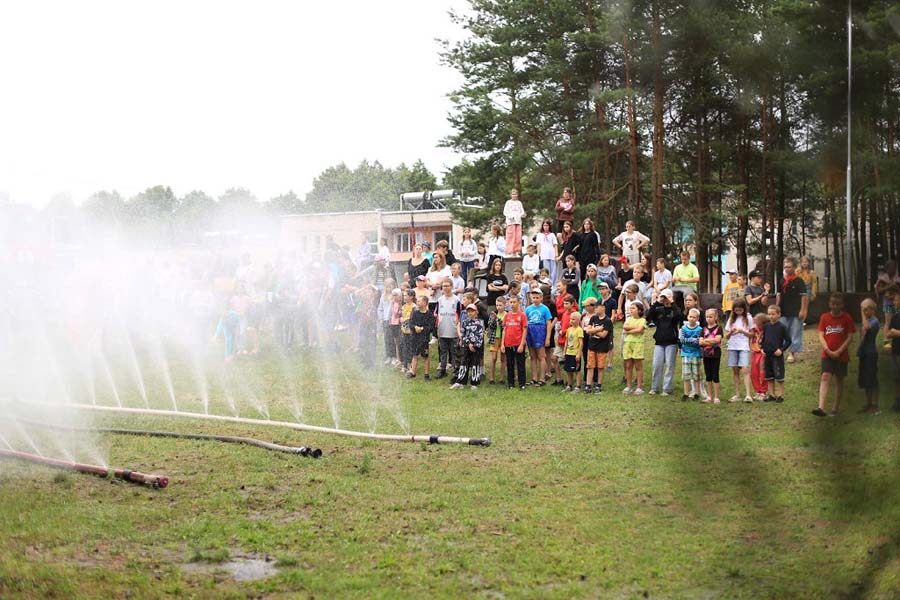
(211, 95)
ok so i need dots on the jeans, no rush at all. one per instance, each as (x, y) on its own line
(464, 268)
(664, 368)
(550, 265)
(795, 330)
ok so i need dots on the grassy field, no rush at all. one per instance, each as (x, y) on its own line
(580, 496)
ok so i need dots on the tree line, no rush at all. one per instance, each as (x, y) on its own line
(158, 215)
(713, 122)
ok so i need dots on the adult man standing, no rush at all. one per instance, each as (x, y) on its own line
(685, 277)
(794, 303)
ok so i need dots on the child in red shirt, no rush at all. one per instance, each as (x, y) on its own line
(515, 324)
(836, 330)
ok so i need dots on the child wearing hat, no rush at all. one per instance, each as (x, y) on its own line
(471, 367)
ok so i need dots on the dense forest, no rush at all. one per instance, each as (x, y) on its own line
(716, 123)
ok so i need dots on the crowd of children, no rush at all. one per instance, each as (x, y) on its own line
(564, 335)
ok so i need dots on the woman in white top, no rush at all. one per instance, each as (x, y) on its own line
(547, 248)
(436, 275)
(514, 213)
(466, 251)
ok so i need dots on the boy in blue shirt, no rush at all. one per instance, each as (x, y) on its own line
(691, 355)
(538, 336)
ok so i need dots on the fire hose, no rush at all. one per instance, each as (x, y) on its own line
(157, 481)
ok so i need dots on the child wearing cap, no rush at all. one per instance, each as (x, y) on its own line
(538, 336)
(757, 294)
(471, 367)
(668, 318)
(574, 341)
(732, 292)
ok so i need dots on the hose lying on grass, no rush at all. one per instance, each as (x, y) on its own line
(157, 481)
(428, 439)
(301, 450)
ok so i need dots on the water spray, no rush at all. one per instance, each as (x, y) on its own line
(156, 481)
(428, 439)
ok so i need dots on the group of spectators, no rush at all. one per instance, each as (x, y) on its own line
(554, 321)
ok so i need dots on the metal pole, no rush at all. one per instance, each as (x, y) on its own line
(849, 281)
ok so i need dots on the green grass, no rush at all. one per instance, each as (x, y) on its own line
(580, 496)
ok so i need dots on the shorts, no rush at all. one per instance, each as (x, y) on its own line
(868, 372)
(633, 350)
(596, 359)
(571, 365)
(419, 346)
(536, 336)
(690, 367)
(838, 368)
(560, 353)
(774, 366)
(497, 346)
(739, 358)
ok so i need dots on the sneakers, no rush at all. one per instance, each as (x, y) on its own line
(684, 397)
(587, 389)
(410, 375)
(769, 398)
(734, 398)
(666, 394)
(441, 375)
(638, 392)
(597, 388)
(456, 386)
(819, 412)
(760, 397)
(696, 397)
(427, 377)
(652, 392)
(779, 399)
(626, 391)
(576, 389)
(568, 388)
(473, 387)
(748, 399)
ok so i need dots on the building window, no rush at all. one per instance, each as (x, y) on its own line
(401, 242)
(441, 235)
(419, 237)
